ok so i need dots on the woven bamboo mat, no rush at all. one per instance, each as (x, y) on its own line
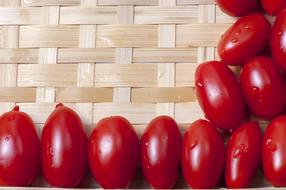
(134, 58)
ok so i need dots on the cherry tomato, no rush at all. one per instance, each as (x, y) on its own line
(273, 7)
(219, 94)
(244, 39)
(19, 149)
(64, 148)
(161, 152)
(278, 40)
(243, 155)
(237, 7)
(202, 155)
(114, 152)
(263, 87)
(274, 152)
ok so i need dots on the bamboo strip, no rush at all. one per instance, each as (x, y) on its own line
(8, 72)
(162, 95)
(50, 2)
(166, 15)
(16, 55)
(14, 94)
(87, 15)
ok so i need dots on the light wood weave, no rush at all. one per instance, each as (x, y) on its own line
(134, 58)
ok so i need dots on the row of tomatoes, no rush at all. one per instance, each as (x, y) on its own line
(260, 90)
(114, 151)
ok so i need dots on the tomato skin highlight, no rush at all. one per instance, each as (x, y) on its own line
(202, 147)
(243, 155)
(246, 38)
(263, 87)
(114, 152)
(273, 7)
(274, 152)
(64, 148)
(219, 95)
(161, 152)
(237, 7)
(20, 149)
(278, 42)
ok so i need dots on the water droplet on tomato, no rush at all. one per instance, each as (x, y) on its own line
(239, 151)
(238, 32)
(270, 145)
(279, 33)
(146, 144)
(248, 27)
(200, 85)
(234, 40)
(193, 144)
(255, 89)
(7, 139)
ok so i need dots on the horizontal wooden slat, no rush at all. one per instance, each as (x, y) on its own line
(136, 113)
(127, 36)
(49, 36)
(167, 55)
(185, 73)
(19, 15)
(47, 75)
(50, 2)
(127, 2)
(195, 2)
(14, 94)
(19, 55)
(196, 35)
(157, 95)
(84, 94)
(125, 75)
(159, 15)
(83, 15)
(85, 55)
(188, 112)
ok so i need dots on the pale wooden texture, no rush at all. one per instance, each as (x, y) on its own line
(134, 58)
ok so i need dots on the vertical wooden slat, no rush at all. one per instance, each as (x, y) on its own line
(123, 55)
(86, 70)
(166, 71)
(8, 72)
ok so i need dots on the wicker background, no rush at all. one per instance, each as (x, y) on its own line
(134, 58)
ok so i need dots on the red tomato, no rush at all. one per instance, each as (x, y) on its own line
(64, 148)
(237, 7)
(278, 40)
(219, 94)
(244, 39)
(263, 87)
(114, 152)
(19, 149)
(243, 155)
(161, 152)
(202, 155)
(274, 152)
(272, 7)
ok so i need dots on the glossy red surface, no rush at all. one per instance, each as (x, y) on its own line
(278, 40)
(114, 152)
(244, 39)
(273, 7)
(219, 95)
(274, 152)
(263, 87)
(19, 149)
(203, 155)
(161, 152)
(243, 155)
(64, 148)
(237, 7)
